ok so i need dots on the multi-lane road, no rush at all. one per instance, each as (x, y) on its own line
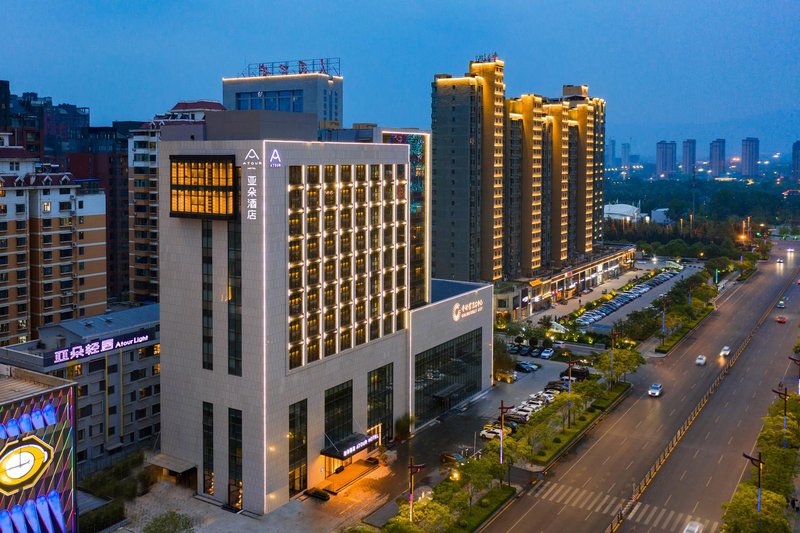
(584, 491)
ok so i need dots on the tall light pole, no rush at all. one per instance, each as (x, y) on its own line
(611, 358)
(783, 393)
(758, 463)
(503, 409)
(570, 364)
(412, 469)
(796, 361)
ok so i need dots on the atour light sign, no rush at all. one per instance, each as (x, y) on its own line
(468, 309)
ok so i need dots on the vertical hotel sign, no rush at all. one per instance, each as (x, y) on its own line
(251, 166)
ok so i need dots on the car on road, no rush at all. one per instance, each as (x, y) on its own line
(655, 390)
(781, 304)
(490, 434)
(693, 527)
(559, 345)
(446, 457)
(700, 360)
(780, 319)
(547, 353)
(725, 351)
(780, 260)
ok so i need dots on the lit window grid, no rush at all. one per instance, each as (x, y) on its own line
(386, 311)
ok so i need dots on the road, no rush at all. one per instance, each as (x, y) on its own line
(583, 492)
(705, 467)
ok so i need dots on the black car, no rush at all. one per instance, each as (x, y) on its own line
(555, 385)
(579, 373)
(318, 494)
(534, 352)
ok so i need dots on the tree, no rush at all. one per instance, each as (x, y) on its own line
(476, 476)
(169, 522)
(546, 321)
(402, 426)
(501, 358)
(740, 514)
(625, 361)
(780, 467)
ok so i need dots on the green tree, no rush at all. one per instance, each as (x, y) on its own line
(624, 361)
(476, 476)
(780, 467)
(501, 358)
(169, 522)
(546, 321)
(740, 514)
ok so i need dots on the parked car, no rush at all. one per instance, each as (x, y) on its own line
(547, 353)
(446, 457)
(534, 352)
(559, 345)
(725, 351)
(655, 390)
(700, 360)
(496, 425)
(579, 373)
(318, 494)
(490, 434)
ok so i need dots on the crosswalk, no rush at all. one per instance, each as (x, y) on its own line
(652, 517)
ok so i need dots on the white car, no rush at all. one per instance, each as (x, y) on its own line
(701, 360)
(725, 351)
(547, 353)
(655, 390)
(693, 527)
(490, 433)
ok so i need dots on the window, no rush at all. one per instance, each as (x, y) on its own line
(338, 413)
(298, 453)
(47, 207)
(208, 296)
(203, 187)
(235, 298)
(380, 413)
(208, 448)
(235, 488)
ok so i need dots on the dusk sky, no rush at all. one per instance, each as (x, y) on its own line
(677, 69)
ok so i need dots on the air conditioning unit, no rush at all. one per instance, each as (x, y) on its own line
(74, 307)
(71, 196)
(74, 244)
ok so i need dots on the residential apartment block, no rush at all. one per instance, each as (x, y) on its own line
(52, 246)
(143, 195)
(517, 181)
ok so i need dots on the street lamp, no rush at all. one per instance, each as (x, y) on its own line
(412, 469)
(783, 393)
(797, 362)
(503, 409)
(758, 463)
(570, 364)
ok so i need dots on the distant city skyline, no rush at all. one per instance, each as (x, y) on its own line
(126, 62)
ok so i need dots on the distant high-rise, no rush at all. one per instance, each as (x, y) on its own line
(717, 158)
(626, 156)
(665, 159)
(749, 164)
(611, 153)
(689, 156)
(796, 160)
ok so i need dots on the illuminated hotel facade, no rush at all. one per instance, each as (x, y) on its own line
(287, 314)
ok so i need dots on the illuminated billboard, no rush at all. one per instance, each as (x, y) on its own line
(36, 463)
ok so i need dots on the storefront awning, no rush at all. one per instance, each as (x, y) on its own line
(173, 464)
(348, 446)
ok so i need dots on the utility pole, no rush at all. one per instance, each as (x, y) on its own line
(503, 409)
(783, 393)
(412, 469)
(758, 463)
(796, 361)
(570, 364)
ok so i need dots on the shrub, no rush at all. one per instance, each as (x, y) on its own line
(169, 522)
(557, 440)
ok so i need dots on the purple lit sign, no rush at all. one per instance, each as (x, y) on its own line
(79, 351)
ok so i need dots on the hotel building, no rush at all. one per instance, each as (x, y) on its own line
(287, 315)
(305, 86)
(52, 246)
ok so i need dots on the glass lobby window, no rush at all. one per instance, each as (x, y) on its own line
(298, 444)
(235, 466)
(208, 448)
(338, 413)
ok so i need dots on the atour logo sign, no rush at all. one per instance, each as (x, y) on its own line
(468, 309)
